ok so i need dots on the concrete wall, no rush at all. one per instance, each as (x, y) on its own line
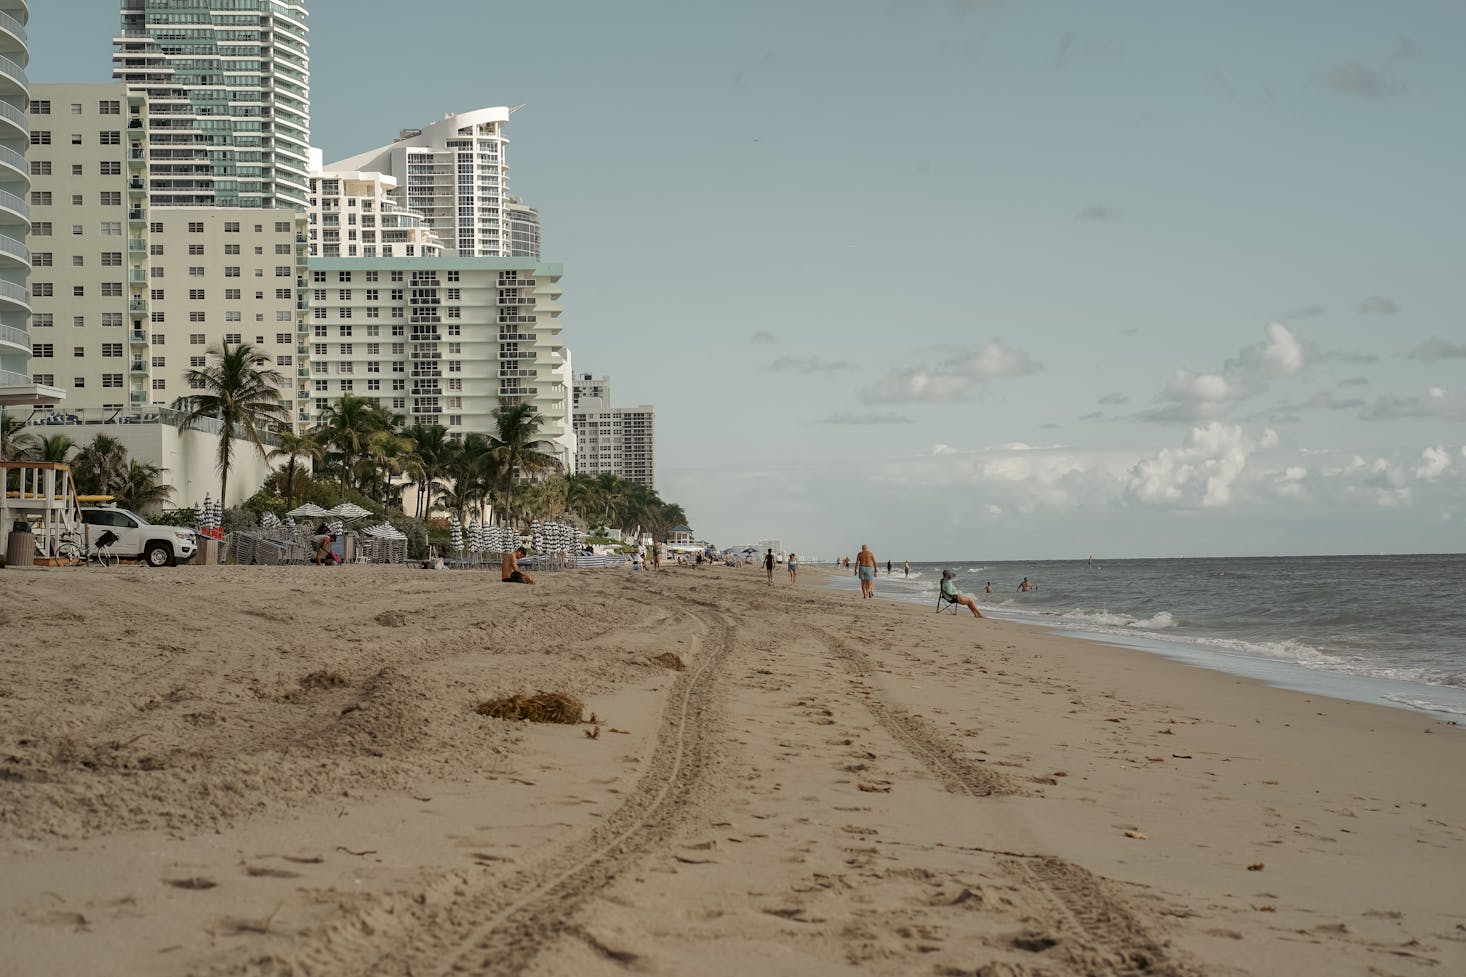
(189, 458)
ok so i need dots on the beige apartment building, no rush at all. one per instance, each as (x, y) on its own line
(619, 440)
(127, 297)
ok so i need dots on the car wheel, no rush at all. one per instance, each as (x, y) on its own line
(158, 555)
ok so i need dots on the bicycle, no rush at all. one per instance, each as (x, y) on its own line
(72, 551)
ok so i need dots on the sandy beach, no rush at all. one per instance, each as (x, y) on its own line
(280, 770)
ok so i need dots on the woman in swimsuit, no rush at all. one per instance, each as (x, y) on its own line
(793, 565)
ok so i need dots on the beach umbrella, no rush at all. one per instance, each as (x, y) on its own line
(308, 511)
(349, 511)
(455, 534)
(475, 536)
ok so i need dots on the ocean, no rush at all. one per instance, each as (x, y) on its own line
(1385, 629)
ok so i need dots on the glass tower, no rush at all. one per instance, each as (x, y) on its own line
(228, 86)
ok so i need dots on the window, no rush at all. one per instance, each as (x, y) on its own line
(156, 250)
(160, 361)
(76, 200)
(41, 106)
(346, 349)
(374, 385)
(282, 249)
(232, 338)
(40, 167)
(231, 249)
(109, 106)
(282, 227)
(195, 271)
(196, 294)
(196, 339)
(159, 339)
(110, 229)
(231, 271)
(155, 227)
(197, 361)
(78, 261)
(78, 351)
(41, 259)
(44, 379)
(231, 227)
(78, 382)
(43, 320)
(156, 271)
(231, 293)
(40, 229)
(282, 271)
(111, 380)
(160, 384)
(111, 320)
(155, 317)
(110, 137)
(40, 137)
(40, 198)
(195, 227)
(110, 167)
(110, 198)
(112, 290)
(111, 259)
(42, 289)
(374, 367)
(43, 350)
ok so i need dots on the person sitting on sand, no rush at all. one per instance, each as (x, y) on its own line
(793, 565)
(509, 571)
(949, 593)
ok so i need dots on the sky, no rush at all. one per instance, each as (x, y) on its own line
(969, 278)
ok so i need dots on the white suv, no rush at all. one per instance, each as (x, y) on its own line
(138, 539)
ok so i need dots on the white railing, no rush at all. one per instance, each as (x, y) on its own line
(13, 70)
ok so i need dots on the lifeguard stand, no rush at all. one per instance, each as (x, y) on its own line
(43, 494)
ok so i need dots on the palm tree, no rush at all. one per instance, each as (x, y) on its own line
(16, 441)
(434, 450)
(389, 456)
(292, 448)
(139, 487)
(347, 425)
(55, 448)
(241, 390)
(517, 449)
(472, 469)
(99, 465)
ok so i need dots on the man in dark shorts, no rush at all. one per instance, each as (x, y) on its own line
(769, 566)
(509, 571)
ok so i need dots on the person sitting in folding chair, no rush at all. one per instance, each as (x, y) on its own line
(948, 596)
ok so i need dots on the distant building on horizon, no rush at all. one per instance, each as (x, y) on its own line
(353, 214)
(229, 87)
(455, 173)
(619, 440)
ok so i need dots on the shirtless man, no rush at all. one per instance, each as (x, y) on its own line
(509, 571)
(865, 569)
(1025, 586)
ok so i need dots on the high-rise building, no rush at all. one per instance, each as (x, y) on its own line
(16, 384)
(524, 228)
(455, 172)
(127, 297)
(442, 340)
(228, 83)
(619, 440)
(354, 215)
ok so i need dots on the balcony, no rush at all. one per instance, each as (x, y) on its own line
(13, 202)
(14, 74)
(136, 188)
(15, 250)
(135, 130)
(136, 158)
(139, 339)
(137, 277)
(15, 161)
(137, 215)
(137, 246)
(11, 292)
(302, 371)
(302, 303)
(18, 339)
(139, 396)
(512, 317)
(15, 117)
(139, 366)
(13, 27)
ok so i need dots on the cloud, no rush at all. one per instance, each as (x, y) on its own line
(806, 365)
(1097, 213)
(866, 418)
(1354, 382)
(763, 338)
(954, 380)
(1305, 312)
(1190, 396)
(1433, 463)
(1436, 348)
(1378, 305)
(1436, 403)
(1289, 412)
(1200, 473)
(1114, 398)
(1355, 79)
(1342, 356)
(1406, 49)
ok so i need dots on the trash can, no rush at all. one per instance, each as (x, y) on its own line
(20, 545)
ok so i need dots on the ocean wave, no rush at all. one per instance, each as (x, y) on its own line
(1159, 621)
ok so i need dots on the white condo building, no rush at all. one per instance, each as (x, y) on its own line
(619, 440)
(127, 297)
(228, 82)
(16, 385)
(355, 215)
(442, 340)
(455, 172)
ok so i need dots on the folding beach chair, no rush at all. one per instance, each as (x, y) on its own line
(945, 603)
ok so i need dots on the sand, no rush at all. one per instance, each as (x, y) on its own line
(265, 771)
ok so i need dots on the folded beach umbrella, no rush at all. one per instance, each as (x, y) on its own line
(455, 533)
(336, 526)
(475, 536)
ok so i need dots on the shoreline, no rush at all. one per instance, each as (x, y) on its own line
(1420, 697)
(829, 785)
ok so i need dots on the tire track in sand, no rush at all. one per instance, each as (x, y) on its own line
(496, 926)
(1090, 929)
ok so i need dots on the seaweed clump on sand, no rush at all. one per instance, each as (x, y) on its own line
(542, 707)
(668, 660)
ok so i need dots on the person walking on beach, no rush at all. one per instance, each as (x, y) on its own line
(793, 565)
(769, 566)
(865, 569)
(656, 556)
(906, 569)
(888, 568)
(1025, 586)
